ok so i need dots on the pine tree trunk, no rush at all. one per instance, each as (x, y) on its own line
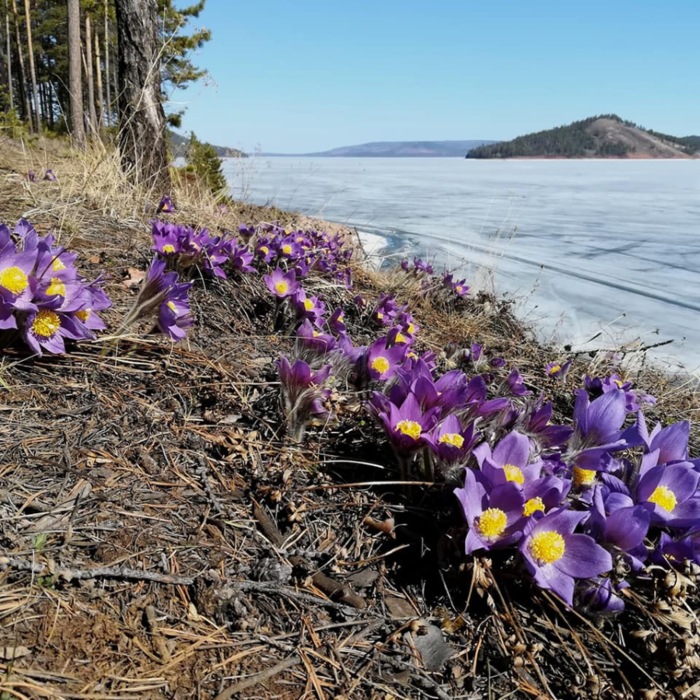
(141, 115)
(22, 75)
(108, 105)
(10, 87)
(98, 74)
(32, 68)
(75, 73)
(92, 117)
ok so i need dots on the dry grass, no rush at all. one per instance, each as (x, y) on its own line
(316, 575)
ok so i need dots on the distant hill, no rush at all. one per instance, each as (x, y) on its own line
(178, 147)
(596, 137)
(397, 149)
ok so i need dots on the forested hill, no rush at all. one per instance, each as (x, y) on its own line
(596, 137)
(179, 143)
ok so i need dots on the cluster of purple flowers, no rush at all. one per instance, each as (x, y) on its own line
(578, 512)
(48, 175)
(42, 296)
(436, 287)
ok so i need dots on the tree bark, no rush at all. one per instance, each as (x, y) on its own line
(32, 67)
(108, 103)
(22, 75)
(75, 74)
(92, 116)
(10, 87)
(142, 139)
(98, 75)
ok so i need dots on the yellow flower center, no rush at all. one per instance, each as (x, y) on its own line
(547, 547)
(454, 439)
(171, 305)
(57, 264)
(287, 249)
(618, 382)
(341, 319)
(583, 477)
(664, 498)
(46, 324)
(281, 287)
(380, 315)
(308, 304)
(492, 522)
(83, 314)
(56, 287)
(411, 329)
(458, 288)
(555, 369)
(14, 279)
(168, 248)
(513, 473)
(533, 505)
(380, 364)
(300, 240)
(264, 249)
(410, 428)
(400, 338)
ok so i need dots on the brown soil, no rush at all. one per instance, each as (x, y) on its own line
(307, 570)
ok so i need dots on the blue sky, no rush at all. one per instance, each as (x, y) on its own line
(309, 75)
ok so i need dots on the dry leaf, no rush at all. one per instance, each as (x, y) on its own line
(135, 278)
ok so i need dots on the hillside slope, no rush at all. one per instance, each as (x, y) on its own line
(399, 149)
(595, 137)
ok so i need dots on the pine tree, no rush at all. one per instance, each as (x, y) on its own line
(76, 84)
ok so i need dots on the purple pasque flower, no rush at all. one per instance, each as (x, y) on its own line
(17, 283)
(555, 555)
(670, 493)
(675, 552)
(597, 433)
(615, 520)
(282, 284)
(460, 288)
(266, 251)
(46, 329)
(49, 175)
(494, 516)
(168, 239)
(308, 307)
(386, 309)
(382, 361)
(404, 265)
(174, 315)
(509, 461)
(601, 597)
(406, 425)
(241, 258)
(246, 232)
(158, 288)
(544, 494)
(288, 248)
(450, 442)
(303, 394)
(539, 428)
(597, 386)
(558, 370)
(31, 175)
(663, 445)
(165, 206)
(337, 321)
(98, 301)
(313, 339)
(516, 385)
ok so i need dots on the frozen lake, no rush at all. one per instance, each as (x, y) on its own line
(587, 247)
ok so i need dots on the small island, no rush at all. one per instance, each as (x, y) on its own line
(603, 136)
